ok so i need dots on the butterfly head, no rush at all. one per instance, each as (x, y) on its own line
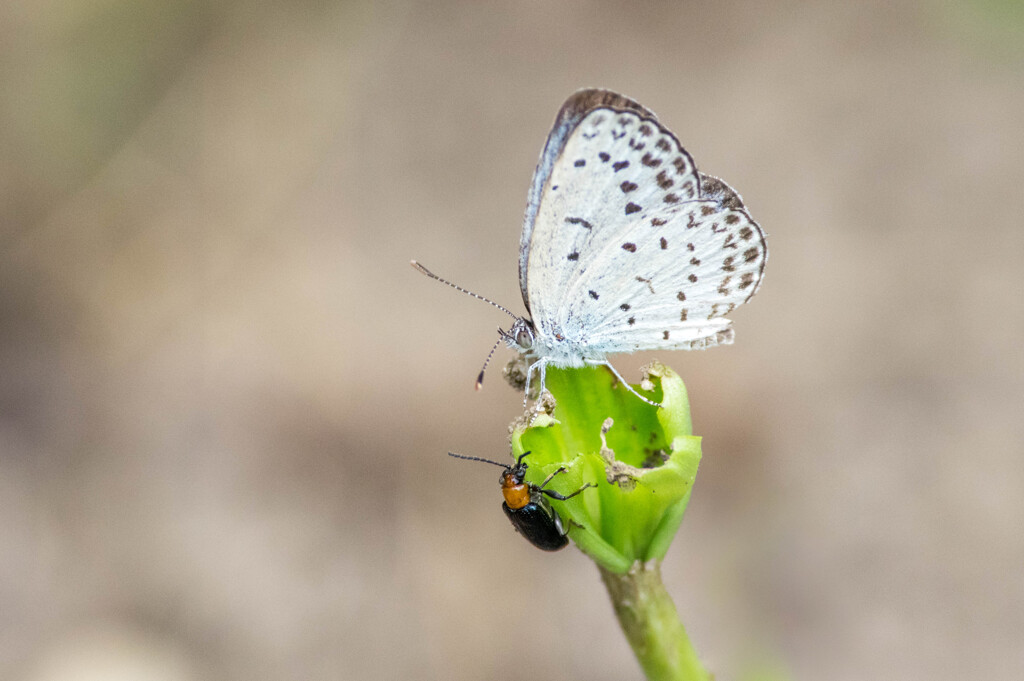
(520, 336)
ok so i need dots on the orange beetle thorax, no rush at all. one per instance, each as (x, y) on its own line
(517, 493)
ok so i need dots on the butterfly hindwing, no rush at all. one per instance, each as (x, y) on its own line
(675, 289)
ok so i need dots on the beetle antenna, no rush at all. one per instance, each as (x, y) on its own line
(430, 274)
(480, 376)
(477, 458)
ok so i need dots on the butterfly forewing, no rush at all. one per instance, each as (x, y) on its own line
(575, 109)
(611, 170)
(629, 247)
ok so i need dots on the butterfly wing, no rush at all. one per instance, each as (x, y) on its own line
(627, 246)
(575, 109)
(672, 286)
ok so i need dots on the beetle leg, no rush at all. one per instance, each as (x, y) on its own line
(556, 495)
(548, 479)
(558, 524)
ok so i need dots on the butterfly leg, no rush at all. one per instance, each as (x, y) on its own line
(529, 374)
(543, 375)
(540, 365)
(624, 382)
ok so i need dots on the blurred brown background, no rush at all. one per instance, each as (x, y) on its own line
(225, 398)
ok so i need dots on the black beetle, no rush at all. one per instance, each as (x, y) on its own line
(526, 507)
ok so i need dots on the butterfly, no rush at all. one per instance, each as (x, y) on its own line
(626, 246)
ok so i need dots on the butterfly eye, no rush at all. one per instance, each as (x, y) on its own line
(524, 337)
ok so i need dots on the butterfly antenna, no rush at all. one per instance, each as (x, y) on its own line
(476, 458)
(480, 376)
(430, 274)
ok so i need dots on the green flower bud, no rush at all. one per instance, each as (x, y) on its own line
(643, 458)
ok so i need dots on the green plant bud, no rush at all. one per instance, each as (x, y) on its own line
(643, 458)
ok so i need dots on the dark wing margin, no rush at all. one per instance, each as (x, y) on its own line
(714, 188)
(569, 116)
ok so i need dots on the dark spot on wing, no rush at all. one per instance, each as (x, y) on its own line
(632, 208)
(593, 294)
(732, 218)
(648, 282)
(681, 296)
(671, 198)
(664, 181)
(658, 222)
(664, 243)
(723, 288)
(579, 221)
(650, 161)
(604, 156)
(573, 256)
(694, 261)
(664, 336)
(663, 144)
(624, 307)
(631, 247)
(746, 280)
(682, 315)
(706, 210)
(580, 163)
(627, 186)
(746, 233)
(692, 278)
(727, 265)
(718, 311)
(619, 165)
(690, 247)
(750, 254)
(646, 130)
(631, 321)
(637, 146)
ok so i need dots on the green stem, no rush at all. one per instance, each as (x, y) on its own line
(649, 619)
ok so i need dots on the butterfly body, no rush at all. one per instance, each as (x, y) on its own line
(552, 344)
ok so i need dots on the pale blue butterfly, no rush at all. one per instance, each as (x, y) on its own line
(625, 245)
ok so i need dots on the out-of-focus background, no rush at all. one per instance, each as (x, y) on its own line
(226, 398)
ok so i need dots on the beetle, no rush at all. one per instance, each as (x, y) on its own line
(526, 507)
